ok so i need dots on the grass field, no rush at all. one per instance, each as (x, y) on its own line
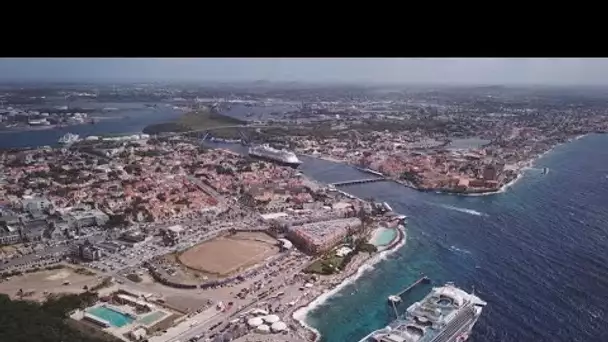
(206, 119)
(197, 120)
(228, 255)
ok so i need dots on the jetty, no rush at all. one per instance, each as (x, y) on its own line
(359, 181)
(397, 297)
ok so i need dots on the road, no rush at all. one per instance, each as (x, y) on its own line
(245, 305)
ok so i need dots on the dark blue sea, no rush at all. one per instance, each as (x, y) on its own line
(538, 253)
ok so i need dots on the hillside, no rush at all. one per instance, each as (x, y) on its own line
(198, 120)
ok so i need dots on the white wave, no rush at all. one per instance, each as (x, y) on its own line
(464, 210)
(301, 314)
(456, 249)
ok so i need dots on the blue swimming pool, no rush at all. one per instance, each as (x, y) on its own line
(116, 319)
(384, 236)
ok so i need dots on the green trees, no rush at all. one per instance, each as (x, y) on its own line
(25, 321)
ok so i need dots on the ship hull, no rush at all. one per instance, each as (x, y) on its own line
(462, 334)
(276, 160)
(462, 318)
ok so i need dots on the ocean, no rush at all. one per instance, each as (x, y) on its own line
(536, 253)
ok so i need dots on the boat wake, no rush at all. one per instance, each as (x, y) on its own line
(464, 210)
(458, 250)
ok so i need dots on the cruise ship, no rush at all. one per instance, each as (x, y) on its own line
(69, 138)
(279, 156)
(446, 314)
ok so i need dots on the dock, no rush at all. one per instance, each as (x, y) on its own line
(422, 280)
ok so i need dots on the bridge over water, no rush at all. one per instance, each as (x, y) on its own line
(359, 181)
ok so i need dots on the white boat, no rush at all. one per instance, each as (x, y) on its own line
(69, 138)
(446, 314)
(280, 156)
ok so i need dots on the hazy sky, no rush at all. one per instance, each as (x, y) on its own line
(554, 71)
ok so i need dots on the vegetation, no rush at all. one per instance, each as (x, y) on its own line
(207, 118)
(166, 127)
(412, 177)
(367, 247)
(25, 321)
(197, 120)
(84, 271)
(332, 263)
(106, 282)
(328, 264)
(134, 278)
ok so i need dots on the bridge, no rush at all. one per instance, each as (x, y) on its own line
(359, 181)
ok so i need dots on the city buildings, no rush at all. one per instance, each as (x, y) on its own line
(86, 251)
(319, 237)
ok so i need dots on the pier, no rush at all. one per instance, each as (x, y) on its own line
(422, 280)
(397, 297)
(359, 181)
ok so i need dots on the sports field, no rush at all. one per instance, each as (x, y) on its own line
(228, 255)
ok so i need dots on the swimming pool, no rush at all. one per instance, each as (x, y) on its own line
(115, 318)
(383, 236)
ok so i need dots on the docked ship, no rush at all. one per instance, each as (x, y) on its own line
(68, 138)
(446, 314)
(283, 157)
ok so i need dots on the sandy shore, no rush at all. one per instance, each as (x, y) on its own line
(348, 278)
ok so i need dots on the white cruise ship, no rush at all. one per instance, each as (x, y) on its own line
(447, 314)
(69, 138)
(283, 157)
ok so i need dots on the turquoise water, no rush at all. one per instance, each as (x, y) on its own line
(385, 237)
(115, 318)
(151, 318)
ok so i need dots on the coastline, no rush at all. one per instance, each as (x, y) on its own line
(522, 167)
(300, 314)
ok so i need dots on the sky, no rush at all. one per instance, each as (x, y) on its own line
(495, 71)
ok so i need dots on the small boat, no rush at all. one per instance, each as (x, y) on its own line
(545, 170)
